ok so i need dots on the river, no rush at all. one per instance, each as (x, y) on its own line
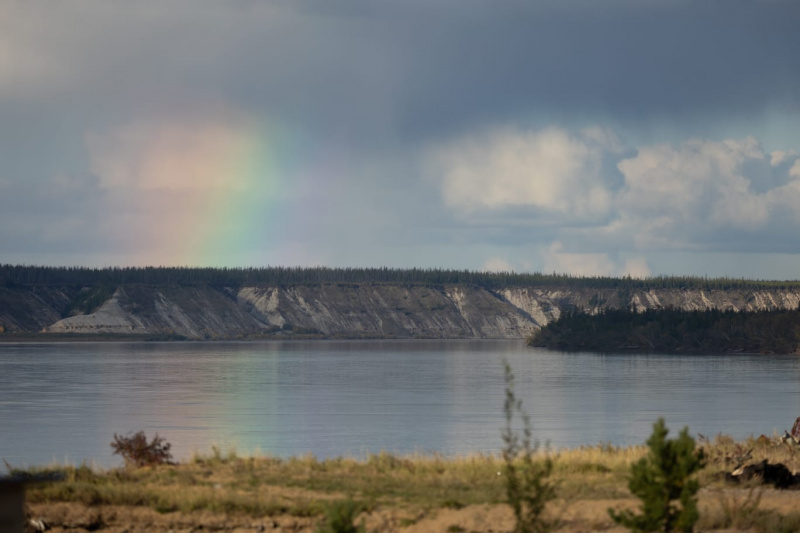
(64, 401)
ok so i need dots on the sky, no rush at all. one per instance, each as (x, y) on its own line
(624, 137)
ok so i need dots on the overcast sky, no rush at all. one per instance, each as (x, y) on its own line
(626, 136)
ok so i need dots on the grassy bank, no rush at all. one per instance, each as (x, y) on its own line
(414, 493)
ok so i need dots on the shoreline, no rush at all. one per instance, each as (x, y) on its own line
(628, 351)
(45, 338)
(410, 493)
(90, 338)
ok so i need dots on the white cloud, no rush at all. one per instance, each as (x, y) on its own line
(591, 264)
(497, 264)
(779, 156)
(578, 264)
(795, 170)
(785, 202)
(550, 170)
(695, 185)
(636, 268)
(673, 196)
(694, 195)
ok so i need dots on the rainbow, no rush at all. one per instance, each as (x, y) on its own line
(221, 191)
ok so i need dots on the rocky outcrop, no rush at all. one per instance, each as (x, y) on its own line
(31, 309)
(546, 304)
(192, 312)
(389, 310)
(111, 317)
(347, 310)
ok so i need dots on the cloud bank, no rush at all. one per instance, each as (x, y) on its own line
(539, 169)
(697, 195)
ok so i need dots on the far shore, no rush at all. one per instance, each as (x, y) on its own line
(30, 337)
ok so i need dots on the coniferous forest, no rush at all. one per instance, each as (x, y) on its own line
(673, 331)
(24, 275)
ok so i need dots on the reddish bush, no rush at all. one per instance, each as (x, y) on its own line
(136, 451)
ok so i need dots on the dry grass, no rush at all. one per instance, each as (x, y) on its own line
(588, 481)
(259, 485)
(724, 452)
(751, 508)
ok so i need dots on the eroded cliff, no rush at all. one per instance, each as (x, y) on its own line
(345, 310)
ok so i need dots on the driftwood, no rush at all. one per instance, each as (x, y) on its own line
(772, 474)
(792, 437)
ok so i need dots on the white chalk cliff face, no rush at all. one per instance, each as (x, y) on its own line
(354, 310)
(108, 318)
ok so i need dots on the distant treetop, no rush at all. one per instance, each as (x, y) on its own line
(25, 275)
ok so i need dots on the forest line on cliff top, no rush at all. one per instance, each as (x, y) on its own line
(29, 275)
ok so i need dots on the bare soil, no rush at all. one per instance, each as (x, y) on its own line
(573, 516)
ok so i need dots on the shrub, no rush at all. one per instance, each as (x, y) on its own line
(340, 517)
(660, 479)
(526, 484)
(136, 451)
(740, 512)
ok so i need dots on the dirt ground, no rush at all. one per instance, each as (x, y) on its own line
(576, 516)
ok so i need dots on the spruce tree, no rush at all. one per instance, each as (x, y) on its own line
(660, 480)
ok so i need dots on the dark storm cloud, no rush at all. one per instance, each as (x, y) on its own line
(451, 65)
(427, 68)
(435, 67)
(631, 60)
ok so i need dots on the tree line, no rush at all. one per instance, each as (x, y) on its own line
(28, 275)
(673, 330)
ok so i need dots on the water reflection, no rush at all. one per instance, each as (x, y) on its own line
(65, 401)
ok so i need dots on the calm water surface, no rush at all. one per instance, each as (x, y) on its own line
(65, 401)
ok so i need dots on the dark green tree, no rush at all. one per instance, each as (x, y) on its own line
(665, 482)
